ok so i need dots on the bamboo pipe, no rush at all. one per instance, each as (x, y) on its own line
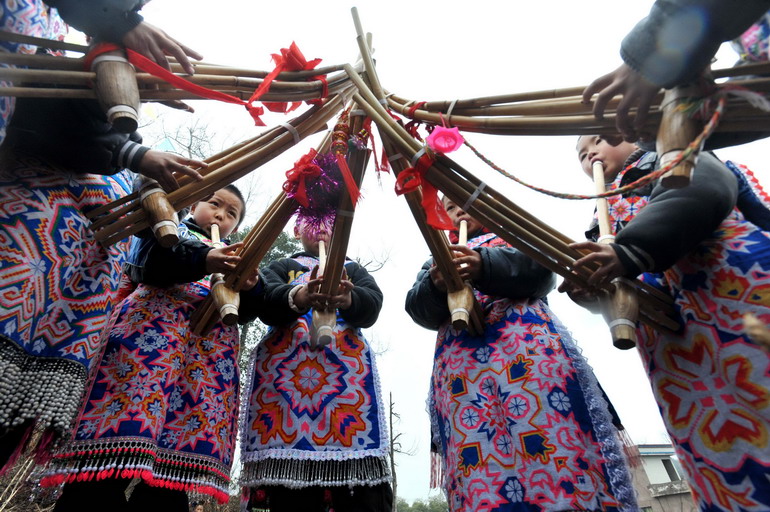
(226, 300)
(163, 218)
(41, 42)
(622, 305)
(324, 319)
(676, 131)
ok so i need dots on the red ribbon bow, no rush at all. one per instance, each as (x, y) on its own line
(409, 179)
(290, 59)
(296, 178)
(143, 63)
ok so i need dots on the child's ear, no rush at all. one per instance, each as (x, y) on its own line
(297, 234)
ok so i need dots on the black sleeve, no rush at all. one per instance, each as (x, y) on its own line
(507, 272)
(74, 134)
(676, 220)
(104, 20)
(366, 297)
(677, 40)
(252, 301)
(276, 310)
(184, 262)
(425, 303)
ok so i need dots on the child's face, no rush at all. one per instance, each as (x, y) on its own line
(457, 214)
(310, 240)
(612, 152)
(223, 208)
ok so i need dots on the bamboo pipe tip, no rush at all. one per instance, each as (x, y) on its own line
(167, 236)
(324, 336)
(623, 334)
(460, 319)
(124, 121)
(229, 314)
(675, 181)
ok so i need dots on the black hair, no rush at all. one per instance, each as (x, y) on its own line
(232, 188)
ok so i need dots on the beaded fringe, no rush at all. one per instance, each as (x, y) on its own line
(295, 473)
(138, 458)
(46, 390)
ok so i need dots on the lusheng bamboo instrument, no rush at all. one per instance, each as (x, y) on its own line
(256, 244)
(622, 307)
(324, 319)
(676, 131)
(226, 299)
(163, 219)
(122, 219)
(500, 215)
(436, 241)
(461, 302)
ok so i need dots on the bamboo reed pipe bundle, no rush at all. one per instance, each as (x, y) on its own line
(305, 124)
(325, 319)
(436, 241)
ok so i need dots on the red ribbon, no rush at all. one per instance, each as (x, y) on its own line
(143, 63)
(296, 178)
(290, 59)
(409, 179)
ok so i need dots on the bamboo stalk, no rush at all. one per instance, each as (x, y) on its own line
(41, 42)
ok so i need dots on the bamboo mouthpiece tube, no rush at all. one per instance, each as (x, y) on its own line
(226, 300)
(460, 302)
(324, 320)
(622, 306)
(116, 90)
(164, 221)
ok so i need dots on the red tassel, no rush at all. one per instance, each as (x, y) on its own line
(350, 182)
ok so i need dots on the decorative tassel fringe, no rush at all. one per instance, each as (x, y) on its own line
(436, 470)
(295, 473)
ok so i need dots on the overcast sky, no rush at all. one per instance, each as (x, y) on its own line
(431, 50)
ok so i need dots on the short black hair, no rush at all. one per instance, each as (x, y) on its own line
(232, 188)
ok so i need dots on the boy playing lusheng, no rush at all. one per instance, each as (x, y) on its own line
(313, 422)
(517, 416)
(711, 381)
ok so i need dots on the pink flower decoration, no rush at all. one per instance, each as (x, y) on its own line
(445, 140)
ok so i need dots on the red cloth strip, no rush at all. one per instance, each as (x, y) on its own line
(411, 178)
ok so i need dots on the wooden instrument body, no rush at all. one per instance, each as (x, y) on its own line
(116, 90)
(226, 300)
(164, 221)
(676, 131)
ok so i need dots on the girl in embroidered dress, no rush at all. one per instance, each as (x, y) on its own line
(711, 381)
(517, 417)
(313, 429)
(163, 405)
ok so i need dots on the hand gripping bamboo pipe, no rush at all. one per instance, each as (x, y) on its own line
(461, 301)
(226, 300)
(324, 320)
(163, 218)
(622, 305)
(116, 90)
(676, 131)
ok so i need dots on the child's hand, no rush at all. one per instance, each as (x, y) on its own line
(344, 298)
(162, 166)
(468, 262)
(223, 259)
(438, 278)
(584, 297)
(605, 255)
(307, 296)
(252, 281)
